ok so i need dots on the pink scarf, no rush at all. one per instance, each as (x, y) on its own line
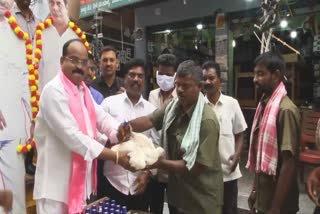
(267, 148)
(79, 165)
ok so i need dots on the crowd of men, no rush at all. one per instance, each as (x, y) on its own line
(200, 128)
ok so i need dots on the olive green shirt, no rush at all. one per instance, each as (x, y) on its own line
(187, 192)
(288, 135)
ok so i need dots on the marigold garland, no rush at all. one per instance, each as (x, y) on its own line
(33, 59)
(33, 75)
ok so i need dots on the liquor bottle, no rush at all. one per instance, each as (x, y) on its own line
(124, 210)
(101, 203)
(107, 204)
(100, 208)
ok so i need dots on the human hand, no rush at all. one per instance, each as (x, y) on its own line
(3, 123)
(235, 158)
(6, 200)
(251, 200)
(124, 132)
(141, 182)
(157, 164)
(124, 161)
(313, 185)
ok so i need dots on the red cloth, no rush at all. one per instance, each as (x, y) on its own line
(267, 148)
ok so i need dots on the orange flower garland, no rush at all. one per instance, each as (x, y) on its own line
(33, 67)
(33, 75)
(80, 34)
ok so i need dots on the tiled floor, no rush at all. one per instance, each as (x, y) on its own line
(245, 184)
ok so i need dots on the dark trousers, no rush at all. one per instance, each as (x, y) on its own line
(316, 210)
(156, 191)
(230, 197)
(101, 186)
(132, 202)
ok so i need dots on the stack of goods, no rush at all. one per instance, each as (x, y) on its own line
(106, 206)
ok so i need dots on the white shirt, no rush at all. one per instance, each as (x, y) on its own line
(231, 121)
(14, 85)
(121, 108)
(57, 135)
(40, 8)
(52, 44)
(156, 99)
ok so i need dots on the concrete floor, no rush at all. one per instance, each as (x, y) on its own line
(245, 184)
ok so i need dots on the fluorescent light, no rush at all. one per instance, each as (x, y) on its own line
(168, 31)
(283, 23)
(293, 34)
(199, 26)
(233, 43)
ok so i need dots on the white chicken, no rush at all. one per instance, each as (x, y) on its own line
(141, 151)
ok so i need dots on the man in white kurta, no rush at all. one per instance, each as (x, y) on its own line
(53, 38)
(232, 126)
(15, 107)
(128, 188)
(58, 135)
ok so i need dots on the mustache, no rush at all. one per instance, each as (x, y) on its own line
(78, 71)
(207, 85)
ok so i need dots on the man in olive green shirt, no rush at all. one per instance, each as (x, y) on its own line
(200, 188)
(274, 194)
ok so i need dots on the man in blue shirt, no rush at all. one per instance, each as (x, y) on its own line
(89, 76)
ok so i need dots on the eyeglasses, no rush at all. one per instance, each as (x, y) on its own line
(76, 61)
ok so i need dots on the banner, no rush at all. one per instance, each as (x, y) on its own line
(89, 7)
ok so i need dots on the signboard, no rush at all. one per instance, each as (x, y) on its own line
(89, 7)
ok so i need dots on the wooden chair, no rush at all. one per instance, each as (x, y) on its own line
(308, 154)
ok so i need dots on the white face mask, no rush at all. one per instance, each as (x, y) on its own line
(166, 83)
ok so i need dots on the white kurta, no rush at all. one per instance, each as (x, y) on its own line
(57, 136)
(15, 96)
(52, 44)
(121, 108)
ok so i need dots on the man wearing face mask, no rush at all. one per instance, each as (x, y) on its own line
(232, 126)
(165, 79)
(159, 98)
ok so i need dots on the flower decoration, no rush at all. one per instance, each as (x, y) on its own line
(33, 74)
(80, 34)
